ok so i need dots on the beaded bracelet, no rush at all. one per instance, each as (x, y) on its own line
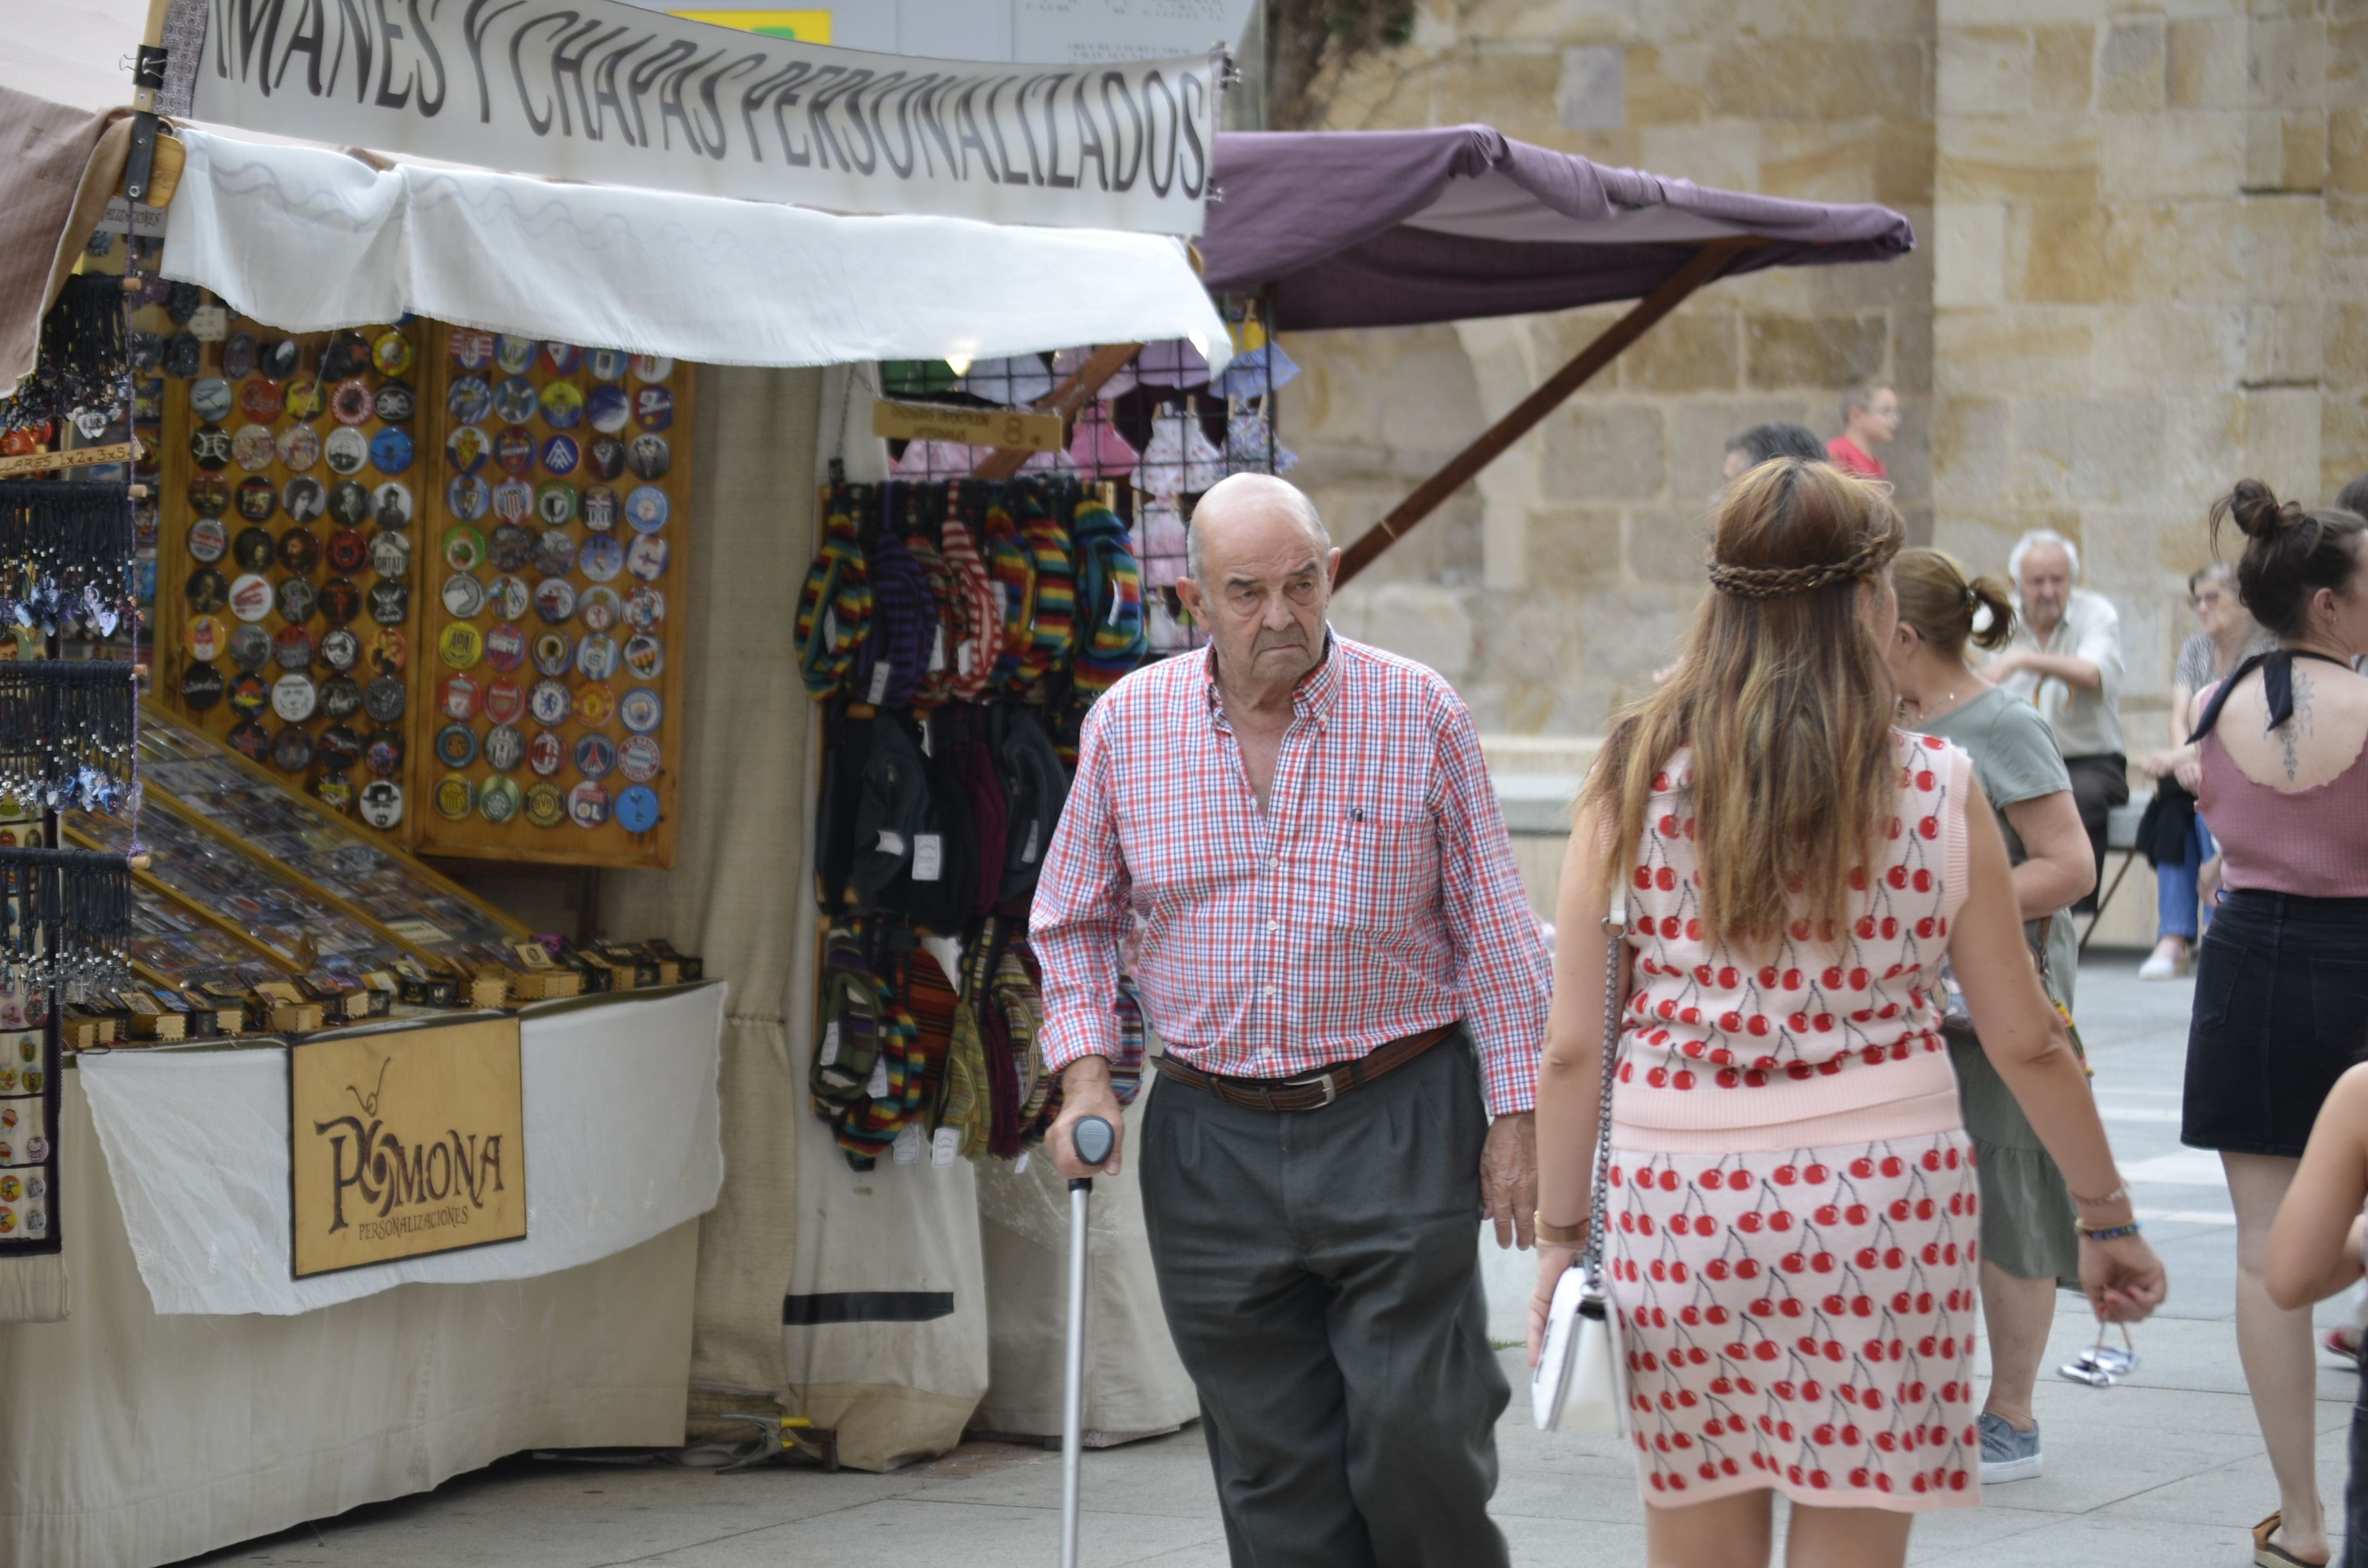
(2106, 1232)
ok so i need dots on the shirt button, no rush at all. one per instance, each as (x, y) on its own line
(1275, 927)
(1274, 865)
(1269, 991)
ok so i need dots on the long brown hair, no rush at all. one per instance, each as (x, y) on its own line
(1783, 696)
(1939, 600)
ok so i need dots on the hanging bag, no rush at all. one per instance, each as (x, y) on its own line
(1581, 1381)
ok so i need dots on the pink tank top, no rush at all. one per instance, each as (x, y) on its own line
(1834, 1020)
(2313, 842)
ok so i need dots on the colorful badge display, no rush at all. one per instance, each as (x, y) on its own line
(464, 597)
(637, 809)
(513, 353)
(644, 656)
(505, 646)
(595, 705)
(554, 653)
(260, 401)
(647, 557)
(305, 498)
(203, 636)
(250, 596)
(601, 558)
(340, 600)
(456, 745)
(587, 804)
(380, 803)
(508, 596)
(299, 447)
(500, 799)
(504, 748)
(294, 697)
(641, 710)
(208, 539)
(504, 700)
(292, 648)
(391, 504)
(460, 645)
(514, 451)
(390, 555)
(599, 606)
(464, 547)
(250, 647)
(550, 702)
(596, 755)
(346, 451)
(596, 656)
(460, 697)
(513, 504)
(638, 758)
(646, 609)
(546, 754)
(545, 806)
(562, 405)
(554, 600)
(598, 507)
(466, 497)
(455, 796)
(647, 508)
(472, 349)
(348, 505)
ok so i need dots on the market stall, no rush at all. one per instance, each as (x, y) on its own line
(299, 358)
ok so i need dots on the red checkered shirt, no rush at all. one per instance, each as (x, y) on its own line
(1373, 898)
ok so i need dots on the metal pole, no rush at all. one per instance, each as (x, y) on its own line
(1073, 1406)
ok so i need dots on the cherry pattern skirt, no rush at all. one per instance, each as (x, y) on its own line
(1800, 1318)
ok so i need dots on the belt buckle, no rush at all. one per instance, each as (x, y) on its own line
(1330, 1086)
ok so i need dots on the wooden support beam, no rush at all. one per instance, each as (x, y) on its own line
(1706, 264)
(1063, 400)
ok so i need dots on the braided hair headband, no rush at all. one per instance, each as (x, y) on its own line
(1779, 582)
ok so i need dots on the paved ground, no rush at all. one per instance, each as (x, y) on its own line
(2165, 1470)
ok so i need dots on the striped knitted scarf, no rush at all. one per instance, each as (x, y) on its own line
(834, 604)
(1110, 630)
(1012, 567)
(973, 614)
(1051, 625)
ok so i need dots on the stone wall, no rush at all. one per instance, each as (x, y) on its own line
(1551, 590)
(2149, 265)
(2143, 272)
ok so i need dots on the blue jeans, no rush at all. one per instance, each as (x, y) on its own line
(2174, 885)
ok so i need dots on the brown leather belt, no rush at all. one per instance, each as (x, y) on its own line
(1312, 1091)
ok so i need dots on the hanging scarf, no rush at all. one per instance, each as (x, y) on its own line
(973, 612)
(1109, 635)
(833, 604)
(1053, 612)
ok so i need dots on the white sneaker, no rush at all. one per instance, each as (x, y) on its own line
(2160, 965)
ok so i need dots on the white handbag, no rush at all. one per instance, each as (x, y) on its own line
(1581, 1379)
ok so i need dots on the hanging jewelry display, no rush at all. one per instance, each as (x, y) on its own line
(65, 921)
(66, 732)
(85, 352)
(63, 563)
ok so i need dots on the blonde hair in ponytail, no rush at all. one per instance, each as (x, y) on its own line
(1783, 696)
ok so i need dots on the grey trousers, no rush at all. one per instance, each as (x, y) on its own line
(1320, 1272)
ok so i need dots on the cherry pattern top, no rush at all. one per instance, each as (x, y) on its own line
(1835, 1018)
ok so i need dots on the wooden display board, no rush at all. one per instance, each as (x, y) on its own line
(553, 582)
(521, 651)
(404, 1142)
(289, 500)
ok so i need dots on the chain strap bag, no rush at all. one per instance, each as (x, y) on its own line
(1581, 1380)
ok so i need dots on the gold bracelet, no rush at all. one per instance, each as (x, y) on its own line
(1558, 1235)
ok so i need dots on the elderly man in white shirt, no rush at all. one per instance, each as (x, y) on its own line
(2066, 659)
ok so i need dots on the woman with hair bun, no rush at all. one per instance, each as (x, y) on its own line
(2281, 979)
(2028, 1241)
(1788, 1205)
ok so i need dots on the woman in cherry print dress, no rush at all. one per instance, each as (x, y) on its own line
(1793, 1215)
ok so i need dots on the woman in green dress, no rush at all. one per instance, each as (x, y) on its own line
(2028, 1244)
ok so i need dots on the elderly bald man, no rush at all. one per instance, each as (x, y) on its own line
(1292, 840)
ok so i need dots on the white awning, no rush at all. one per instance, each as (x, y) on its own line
(308, 238)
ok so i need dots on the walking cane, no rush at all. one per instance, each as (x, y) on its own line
(1093, 1138)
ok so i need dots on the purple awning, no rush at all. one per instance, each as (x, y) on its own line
(1393, 228)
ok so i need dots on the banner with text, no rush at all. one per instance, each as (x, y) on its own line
(405, 1141)
(604, 92)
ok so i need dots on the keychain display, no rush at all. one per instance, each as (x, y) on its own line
(66, 732)
(79, 376)
(64, 549)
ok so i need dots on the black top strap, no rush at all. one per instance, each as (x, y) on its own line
(2277, 686)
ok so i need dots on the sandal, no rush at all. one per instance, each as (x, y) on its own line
(2337, 1341)
(2268, 1554)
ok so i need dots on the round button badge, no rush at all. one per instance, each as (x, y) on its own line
(637, 809)
(554, 552)
(641, 710)
(595, 705)
(472, 348)
(460, 697)
(499, 800)
(346, 451)
(652, 367)
(209, 495)
(211, 399)
(464, 595)
(465, 497)
(647, 508)
(649, 456)
(391, 353)
(600, 607)
(210, 448)
(598, 509)
(350, 401)
(554, 653)
(460, 645)
(253, 448)
(507, 596)
(545, 806)
(291, 749)
(382, 698)
(560, 356)
(204, 638)
(647, 557)
(456, 745)
(340, 600)
(464, 547)
(381, 803)
(391, 504)
(250, 740)
(299, 447)
(346, 550)
(305, 399)
(299, 550)
(298, 600)
(348, 505)
(587, 804)
(250, 647)
(455, 796)
(514, 451)
(604, 456)
(646, 609)
(395, 403)
(389, 450)
(555, 502)
(341, 650)
(202, 687)
(468, 400)
(608, 410)
(638, 758)
(341, 696)
(505, 646)
(206, 590)
(596, 656)
(596, 756)
(340, 747)
(305, 498)
(347, 354)
(504, 700)
(294, 697)
(513, 501)
(252, 550)
(516, 401)
(549, 702)
(208, 539)
(562, 405)
(389, 651)
(554, 600)
(382, 754)
(644, 656)
(601, 558)
(605, 364)
(249, 696)
(250, 596)
(280, 357)
(389, 606)
(291, 648)
(469, 448)
(546, 754)
(257, 499)
(513, 353)
(390, 555)
(511, 548)
(652, 408)
(504, 748)
(261, 401)
(561, 454)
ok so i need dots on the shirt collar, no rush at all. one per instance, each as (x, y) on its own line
(1311, 698)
